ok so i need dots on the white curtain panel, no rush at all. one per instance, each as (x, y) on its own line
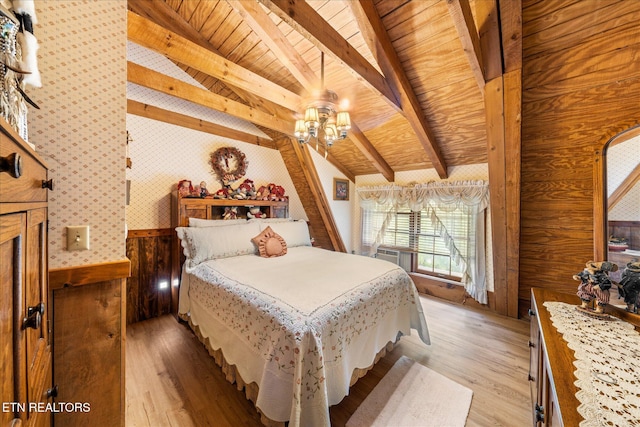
(471, 197)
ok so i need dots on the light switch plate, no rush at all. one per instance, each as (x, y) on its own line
(78, 238)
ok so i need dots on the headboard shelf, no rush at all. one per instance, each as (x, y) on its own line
(193, 207)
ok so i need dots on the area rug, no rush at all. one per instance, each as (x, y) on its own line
(413, 395)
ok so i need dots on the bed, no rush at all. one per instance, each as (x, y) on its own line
(297, 325)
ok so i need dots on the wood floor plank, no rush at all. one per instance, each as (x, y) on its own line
(172, 380)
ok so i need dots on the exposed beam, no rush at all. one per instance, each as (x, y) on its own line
(380, 44)
(272, 36)
(157, 81)
(487, 15)
(261, 24)
(322, 204)
(159, 114)
(175, 47)
(162, 14)
(629, 182)
(304, 19)
(460, 11)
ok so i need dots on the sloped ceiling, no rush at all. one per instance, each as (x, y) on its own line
(414, 96)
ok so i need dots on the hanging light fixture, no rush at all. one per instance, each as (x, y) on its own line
(322, 117)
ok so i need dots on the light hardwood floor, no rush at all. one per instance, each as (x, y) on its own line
(172, 381)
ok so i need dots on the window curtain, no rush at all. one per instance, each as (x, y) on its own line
(437, 198)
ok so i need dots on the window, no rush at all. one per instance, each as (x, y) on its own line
(424, 234)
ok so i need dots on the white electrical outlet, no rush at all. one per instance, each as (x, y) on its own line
(78, 238)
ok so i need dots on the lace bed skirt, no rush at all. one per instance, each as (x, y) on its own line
(607, 353)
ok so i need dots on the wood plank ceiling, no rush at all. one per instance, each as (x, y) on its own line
(415, 93)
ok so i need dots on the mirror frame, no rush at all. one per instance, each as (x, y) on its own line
(600, 217)
(600, 208)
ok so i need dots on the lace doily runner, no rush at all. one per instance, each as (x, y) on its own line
(607, 353)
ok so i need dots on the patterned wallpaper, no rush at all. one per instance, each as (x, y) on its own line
(341, 209)
(621, 160)
(80, 128)
(456, 173)
(163, 154)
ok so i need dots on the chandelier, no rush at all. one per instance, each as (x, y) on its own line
(322, 116)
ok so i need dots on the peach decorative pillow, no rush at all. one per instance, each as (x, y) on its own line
(270, 244)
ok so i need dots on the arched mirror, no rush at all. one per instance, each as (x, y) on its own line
(622, 203)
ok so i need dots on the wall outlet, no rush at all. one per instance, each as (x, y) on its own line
(78, 238)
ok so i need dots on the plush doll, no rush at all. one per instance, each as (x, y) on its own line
(276, 193)
(629, 287)
(247, 189)
(262, 193)
(185, 188)
(222, 193)
(230, 213)
(202, 190)
(595, 284)
(254, 212)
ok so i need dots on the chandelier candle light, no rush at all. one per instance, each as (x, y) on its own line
(322, 114)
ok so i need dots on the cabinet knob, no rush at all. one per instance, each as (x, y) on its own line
(531, 312)
(47, 184)
(40, 308)
(52, 392)
(12, 164)
(33, 321)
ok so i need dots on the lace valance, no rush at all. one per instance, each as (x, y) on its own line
(471, 196)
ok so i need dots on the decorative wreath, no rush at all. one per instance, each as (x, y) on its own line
(229, 164)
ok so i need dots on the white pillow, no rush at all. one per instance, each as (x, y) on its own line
(197, 222)
(204, 243)
(295, 233)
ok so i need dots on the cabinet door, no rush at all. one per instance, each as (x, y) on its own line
(37, 305)
(12, 387)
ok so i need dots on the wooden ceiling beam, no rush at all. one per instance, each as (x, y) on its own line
(460, 11)
(261, 24)
(162, 14)
(157, 81)
(376, 36)
(305, 20)
(168, 43)
(161, 115)
(272, 36)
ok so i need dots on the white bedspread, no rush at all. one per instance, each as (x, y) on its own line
(298, 325)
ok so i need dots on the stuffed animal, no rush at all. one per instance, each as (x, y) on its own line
(595, 284)
(276, 193)
(247, 189)
(185, 189)
(202, 190)
(255, 212)
(230, 213)
(222, 193)
(629, 286)
(262, 193)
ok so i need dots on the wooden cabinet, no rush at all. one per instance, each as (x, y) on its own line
(25, 325)
(551, 371)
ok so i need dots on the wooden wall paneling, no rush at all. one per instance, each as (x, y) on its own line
(133, 281)
(149, 289)
(88, 352)
(89, 311)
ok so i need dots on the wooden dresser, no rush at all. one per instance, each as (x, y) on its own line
(26, 386)
(551, 370)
